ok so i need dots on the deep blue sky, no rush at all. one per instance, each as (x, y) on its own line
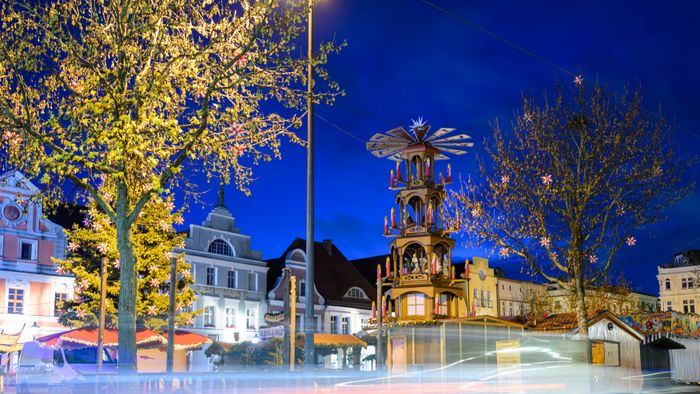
(405, 59)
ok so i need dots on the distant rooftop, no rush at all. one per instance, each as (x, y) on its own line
(684, 259)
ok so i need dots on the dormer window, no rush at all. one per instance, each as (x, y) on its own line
(219, 246)
(356, 292)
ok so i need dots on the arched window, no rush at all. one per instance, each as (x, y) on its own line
(219, 246)
(356, 292)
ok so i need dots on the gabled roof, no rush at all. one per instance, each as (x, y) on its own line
(16, 180)
(333, 274)
(567, 322)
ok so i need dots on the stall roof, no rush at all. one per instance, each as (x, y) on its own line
(337, 340)
(88, 337)
(567, 322)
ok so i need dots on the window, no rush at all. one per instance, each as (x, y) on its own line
(209, 316)
(684, 285)
(219, 246)
(685, 306)
(252, 281)
(317, 323)
(15, 300)
(299, 323)
(415, 304)
(669, 306)
(334, 324)
(364, 322)
(489, 298)
(483, 299)
(232, 279)
(690, 283)
(302, 288)
(27, 250)
(211, 276)
(557, 304)
(691, 306)
(346, 325)
(2, 247)
(59, 299)
(442, 304)
(356, 292)
(230, 317)
(668, 284)
(510, 309)
(476, 297)
(250, 322)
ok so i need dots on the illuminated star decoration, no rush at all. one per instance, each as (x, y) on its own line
(631, 241)
(545, 242)
(476, 212)
(416, 123)
(234, 131)
(60, 270)
(238, 149)
(103, 247)
(155, 282)
(166, 255)
(169, 206)
(186, 273)
(504, 252)
(505, 179)
(546, 179)
(592, 258)
(179, 219)
(80, 313)
(86, 221)
(153, 267)
(84, 284)
(165, 226)
(152, 310)
(178, 306)
(73, 246)
(190, 321)
(578, 80)
(527, 117)
(116, 264)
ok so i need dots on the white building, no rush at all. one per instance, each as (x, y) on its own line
(229, 278)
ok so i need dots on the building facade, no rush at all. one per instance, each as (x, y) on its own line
(31, 289)
(519, 297)
(229, 278)
(679, 285)
(342, 296)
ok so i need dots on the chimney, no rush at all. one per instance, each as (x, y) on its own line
(328, 245)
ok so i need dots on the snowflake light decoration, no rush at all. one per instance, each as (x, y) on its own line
(592, 258)
(73, 246)
(103, 247)
(60, 270)
(505, 179)
(152, 310)
(631, 241)
(190, 321)
(80, 314)
(504, 252)
(527, 117)
(187, 274)
(153, 267)
(545, 242)
(578, 80)
(546, 179)
(116, 264)
(417, 123)
(155, 282)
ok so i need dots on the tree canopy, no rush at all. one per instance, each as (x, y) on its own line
(129, 91)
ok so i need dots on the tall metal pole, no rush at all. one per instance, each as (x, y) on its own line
(378, 351)
(171, 317)
(101, 322)
(309, 356)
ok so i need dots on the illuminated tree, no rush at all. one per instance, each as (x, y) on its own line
(129, 92)
(154, 239)
(570, 185)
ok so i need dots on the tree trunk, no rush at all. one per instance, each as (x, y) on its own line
(127, 286)
(582, 315)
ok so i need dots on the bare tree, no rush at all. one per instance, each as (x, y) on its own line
(572, 182)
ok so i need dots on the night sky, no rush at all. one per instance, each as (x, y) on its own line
(406, 59)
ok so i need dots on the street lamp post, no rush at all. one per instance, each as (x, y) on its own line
(309, 307)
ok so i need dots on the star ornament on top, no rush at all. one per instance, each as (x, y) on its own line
(416, 123)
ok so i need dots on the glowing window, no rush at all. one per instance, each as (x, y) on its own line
(415, 304)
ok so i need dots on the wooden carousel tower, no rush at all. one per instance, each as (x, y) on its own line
(419, 275)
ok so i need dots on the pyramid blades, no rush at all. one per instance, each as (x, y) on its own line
(401, 133)
(439, 133)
